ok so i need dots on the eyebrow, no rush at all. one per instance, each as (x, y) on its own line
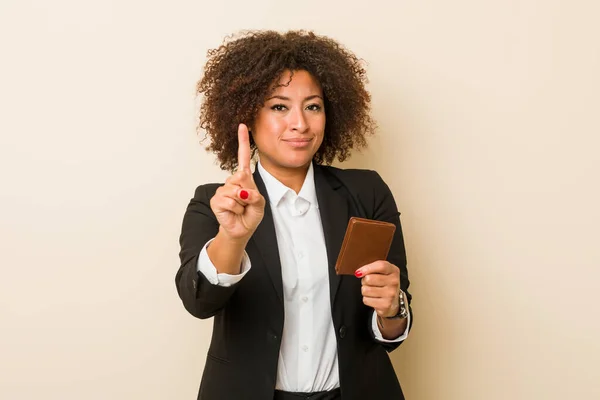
(314, 96)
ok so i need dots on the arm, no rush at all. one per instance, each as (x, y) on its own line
(201, 298)
(229, 214)
(390, 330)
(385, 209)
(208, 269)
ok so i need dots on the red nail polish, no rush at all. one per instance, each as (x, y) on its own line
(358, 274)
(243, 194)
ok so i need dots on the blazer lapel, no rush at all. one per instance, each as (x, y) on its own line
(334, 216)
(266, 241)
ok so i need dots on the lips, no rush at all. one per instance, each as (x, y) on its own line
(298, 142)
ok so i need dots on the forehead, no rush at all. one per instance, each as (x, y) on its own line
(297, 83)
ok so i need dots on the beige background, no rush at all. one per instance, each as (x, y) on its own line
(489, 137)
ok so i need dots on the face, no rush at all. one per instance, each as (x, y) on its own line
(289, 128)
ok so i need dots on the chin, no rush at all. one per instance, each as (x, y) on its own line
(289, 161)
(298, 163)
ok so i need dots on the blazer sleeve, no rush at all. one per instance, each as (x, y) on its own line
(385, 209)
(200, 298)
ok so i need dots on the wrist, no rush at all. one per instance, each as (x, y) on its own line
(391, 329)
(400, 310)
(234, 242)
(227, 253)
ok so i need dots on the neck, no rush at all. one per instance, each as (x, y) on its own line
(290, 177)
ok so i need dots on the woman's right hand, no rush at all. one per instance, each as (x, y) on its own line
(238, 205)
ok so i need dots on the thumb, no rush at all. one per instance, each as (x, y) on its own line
(250, 196)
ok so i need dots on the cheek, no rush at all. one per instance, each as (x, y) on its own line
(320, 142)
(267, 128)
(272, 126)
(321, 122)
(320, 127)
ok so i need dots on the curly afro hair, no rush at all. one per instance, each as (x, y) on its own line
(240, 74)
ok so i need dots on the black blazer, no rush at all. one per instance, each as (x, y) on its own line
(244, 350)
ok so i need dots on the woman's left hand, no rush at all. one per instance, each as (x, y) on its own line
(380, 287)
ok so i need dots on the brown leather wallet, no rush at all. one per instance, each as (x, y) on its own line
(366, 240)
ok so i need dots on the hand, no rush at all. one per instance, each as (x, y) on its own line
(238, 205)
(380, 287)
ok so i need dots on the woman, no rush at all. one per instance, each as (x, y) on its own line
(258, 252)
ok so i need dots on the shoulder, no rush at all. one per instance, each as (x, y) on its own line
(364, 188)
(345, 173)
(206, 191)
(354, 179)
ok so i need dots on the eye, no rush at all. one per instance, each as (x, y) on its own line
(314, 107)
(278, 107)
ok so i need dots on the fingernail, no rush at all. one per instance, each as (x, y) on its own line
(243, 194)
(358, 274)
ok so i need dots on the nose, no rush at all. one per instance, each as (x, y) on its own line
(298, 121)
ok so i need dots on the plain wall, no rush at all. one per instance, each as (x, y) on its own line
(489, 134)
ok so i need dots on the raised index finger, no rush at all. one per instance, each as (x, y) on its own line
(243, 148)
